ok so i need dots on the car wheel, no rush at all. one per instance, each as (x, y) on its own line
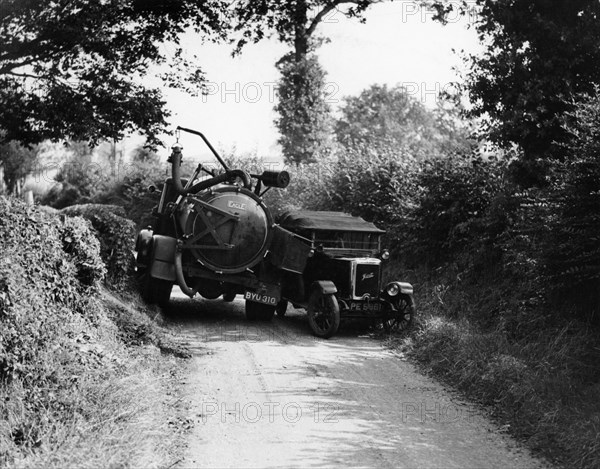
(258, 311)
(281, 308)
(403, 319)
(323, 314)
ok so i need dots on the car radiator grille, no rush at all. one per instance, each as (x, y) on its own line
(367, 280)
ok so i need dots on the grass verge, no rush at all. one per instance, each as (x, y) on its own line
(541, 382)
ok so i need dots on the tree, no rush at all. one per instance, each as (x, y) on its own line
(16, 161)
(382, 117)
(539, 57)
(304, 120)
(73, 68)
(293, 22)
(304, 116)
(143, 154)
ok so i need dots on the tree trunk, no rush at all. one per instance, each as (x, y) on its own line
(301, 37)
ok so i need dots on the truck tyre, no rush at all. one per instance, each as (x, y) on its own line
(281, 308)
(228, 297)
(258, 311)
(156, 291)
(323, 314)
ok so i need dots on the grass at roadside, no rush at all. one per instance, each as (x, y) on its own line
(543, 383)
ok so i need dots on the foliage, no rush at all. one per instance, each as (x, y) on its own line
(304, 119)
(542, 386)
(451, 209)
(79, 178)
(293, 23)
(538, 57)
(132, 191)
(71, 69)
(382, 117)
(116, 235)
(144, 154)
(36, 276)
(376, 184)
(84, 249)
(571, 253)
(71, 393)
(16, 161)
(304, 115)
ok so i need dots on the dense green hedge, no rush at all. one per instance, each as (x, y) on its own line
(49, 269)
(117, 238)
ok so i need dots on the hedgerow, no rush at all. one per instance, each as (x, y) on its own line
(116, 235)
(67, 370)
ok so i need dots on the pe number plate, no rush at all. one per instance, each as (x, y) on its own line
(260, 298)
(360, 306)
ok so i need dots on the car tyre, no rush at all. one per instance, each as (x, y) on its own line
(403, 320)
(323, 314)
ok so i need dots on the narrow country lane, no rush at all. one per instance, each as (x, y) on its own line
(272, 395)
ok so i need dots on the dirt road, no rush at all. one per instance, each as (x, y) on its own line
(271, 395)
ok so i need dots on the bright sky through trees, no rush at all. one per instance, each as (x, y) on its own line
(398, 44)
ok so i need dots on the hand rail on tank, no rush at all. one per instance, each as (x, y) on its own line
(208, 144)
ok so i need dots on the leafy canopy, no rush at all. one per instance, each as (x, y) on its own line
(540, 55)
(292, 22)
(74, 68)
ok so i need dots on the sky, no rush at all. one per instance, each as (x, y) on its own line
(398, 44)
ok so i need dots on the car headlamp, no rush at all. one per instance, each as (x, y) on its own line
(385, 254)
(392, 289)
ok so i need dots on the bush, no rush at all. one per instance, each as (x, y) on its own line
(132, 193)
(116, 235)
(451, 208)
(42, 300)
(71, 393)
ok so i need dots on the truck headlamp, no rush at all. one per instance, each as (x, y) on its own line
(385, 254)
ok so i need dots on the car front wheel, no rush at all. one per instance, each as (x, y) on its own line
(323, 314)
(403, 317)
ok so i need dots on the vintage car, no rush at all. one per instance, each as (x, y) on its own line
(343, 278)
(214, 236)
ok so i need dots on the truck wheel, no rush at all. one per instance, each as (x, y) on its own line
(323, 314)
(156, 291)
(258, 311)
(281, 308)
(229, 297)
(404, 317)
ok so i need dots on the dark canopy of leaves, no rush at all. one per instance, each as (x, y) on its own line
(540, 54)
(293, 22)
(72, 68)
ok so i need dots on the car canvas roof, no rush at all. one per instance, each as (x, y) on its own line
(325, 221)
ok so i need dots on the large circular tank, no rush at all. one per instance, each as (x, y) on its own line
(227, 229)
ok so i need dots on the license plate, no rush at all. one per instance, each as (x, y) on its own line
(364, 306)
(261, 298)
